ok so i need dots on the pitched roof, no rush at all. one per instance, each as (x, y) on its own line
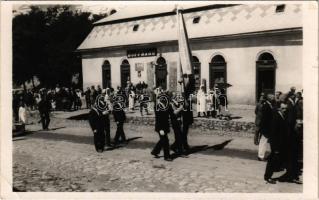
(133, 10)
(213, 22)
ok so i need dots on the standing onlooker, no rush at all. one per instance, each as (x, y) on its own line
(277, 99)
(87, 95)
(99, 90)
(131, 99)
(223, 103)
(78, 102)
(299, 129)
(201, 102)
(44, 109)
(93, 94)
(265, 125)
(22, 113)
(143, 100)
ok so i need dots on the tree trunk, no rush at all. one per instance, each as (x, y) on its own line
(32, 82)
(24, 87)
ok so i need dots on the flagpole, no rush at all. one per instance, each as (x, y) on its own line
(179, 57)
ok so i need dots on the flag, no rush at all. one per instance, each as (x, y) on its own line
(185, 54)
(185, 57)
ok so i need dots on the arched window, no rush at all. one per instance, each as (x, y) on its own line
(265, 74)
(217, 71)
(106, 74)
(125, 72)
(161, 73)
(197, 71)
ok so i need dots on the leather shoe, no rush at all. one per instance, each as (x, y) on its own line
(155, 154)
(262, 159)
(270, 181)
(169, 159)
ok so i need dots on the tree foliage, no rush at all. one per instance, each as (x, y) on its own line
(44, 41)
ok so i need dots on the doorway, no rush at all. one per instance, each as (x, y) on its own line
(161, 73)
(265, 75)
(125, 73)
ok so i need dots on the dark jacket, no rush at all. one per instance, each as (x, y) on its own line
(162, 120)
(291, 112)
(187, 115)
(258, 112)
(97, 120)
(119, 115)
(278, 132)
(266, 119)
(44, 106)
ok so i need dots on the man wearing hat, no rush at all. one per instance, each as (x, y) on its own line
(162, 125)
(119, 117)
(277, 134)
(98, 119)
(175, 111)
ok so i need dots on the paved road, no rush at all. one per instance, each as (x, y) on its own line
(64, 159)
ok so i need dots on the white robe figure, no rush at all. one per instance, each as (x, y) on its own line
(131, 100)
(22, 115)
(201, 101)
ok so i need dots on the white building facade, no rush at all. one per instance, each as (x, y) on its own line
(255, 48)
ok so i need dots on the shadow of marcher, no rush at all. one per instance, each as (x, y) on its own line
(196, 149)
(219, 146)
(131, 139)
(121, 145)
(57, 128)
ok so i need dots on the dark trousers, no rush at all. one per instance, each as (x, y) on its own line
(88, 103)
(162, 144)
(291, 155)
(177, 145)
(119, 133)
(107, 133)
(99, 140)
(184, 136)
(273, 164)
(45, 120)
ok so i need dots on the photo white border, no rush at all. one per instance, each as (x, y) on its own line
(310, 85)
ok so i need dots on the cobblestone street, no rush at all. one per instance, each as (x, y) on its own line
(64, 159)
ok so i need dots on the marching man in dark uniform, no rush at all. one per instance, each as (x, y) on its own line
(276, 139)
(265, 124)
(175, 110)
(162, 126)
(291, 144)
(119, 117)
(44, 109)
(187, 120)
(98, 118)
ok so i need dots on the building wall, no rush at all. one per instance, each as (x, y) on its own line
(240, 54)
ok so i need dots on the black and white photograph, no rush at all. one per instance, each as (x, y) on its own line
(160, 98)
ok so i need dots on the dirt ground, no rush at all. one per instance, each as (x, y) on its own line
(64, 159)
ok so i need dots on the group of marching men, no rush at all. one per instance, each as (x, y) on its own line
(169, 108)
(279, 122)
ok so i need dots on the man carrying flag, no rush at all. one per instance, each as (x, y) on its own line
(188, 83)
